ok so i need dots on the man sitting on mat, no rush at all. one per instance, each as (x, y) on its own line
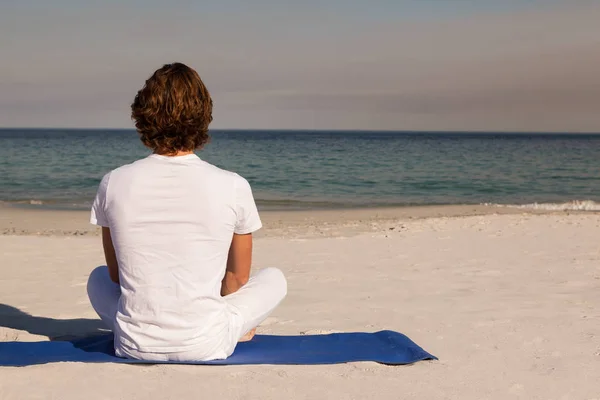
(177, 236)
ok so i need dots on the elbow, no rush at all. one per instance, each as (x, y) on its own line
(241, 280)
(232, 283)
(237, 280)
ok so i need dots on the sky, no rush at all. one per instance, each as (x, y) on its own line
(457, 65)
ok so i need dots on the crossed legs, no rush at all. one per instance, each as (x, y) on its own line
(253, 302)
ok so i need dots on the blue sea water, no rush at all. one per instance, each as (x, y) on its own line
(61, 168)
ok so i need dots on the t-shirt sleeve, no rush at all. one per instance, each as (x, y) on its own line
(248, 220)
(98, 216)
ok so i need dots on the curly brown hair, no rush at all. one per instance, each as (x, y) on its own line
(173, 110)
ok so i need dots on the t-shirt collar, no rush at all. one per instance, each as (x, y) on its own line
(174, 158)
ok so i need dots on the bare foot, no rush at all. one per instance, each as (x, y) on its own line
(248, 336)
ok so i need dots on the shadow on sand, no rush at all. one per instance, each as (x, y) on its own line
(54, 329)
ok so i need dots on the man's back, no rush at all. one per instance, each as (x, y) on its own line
(171, 221)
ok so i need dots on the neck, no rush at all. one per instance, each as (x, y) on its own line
(177, 154)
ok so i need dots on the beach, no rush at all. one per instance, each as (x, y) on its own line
(508, 300)
(426, 173)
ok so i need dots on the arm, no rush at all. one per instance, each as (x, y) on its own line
(239, 261)
(110, 255)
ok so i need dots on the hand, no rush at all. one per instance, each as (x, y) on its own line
(248, 336)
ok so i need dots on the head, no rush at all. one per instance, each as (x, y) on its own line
(173, 110)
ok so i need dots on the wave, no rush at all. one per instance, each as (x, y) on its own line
(32, 202)
(294, 204)
(575, 205)
(47, 204)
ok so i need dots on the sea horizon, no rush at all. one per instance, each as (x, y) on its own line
(322, 130)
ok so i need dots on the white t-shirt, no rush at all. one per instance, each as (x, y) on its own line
(172, 220)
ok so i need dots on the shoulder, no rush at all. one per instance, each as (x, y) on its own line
(127, 169)
(104, 181)
(237, 183)
(116, 175)
(221, 173)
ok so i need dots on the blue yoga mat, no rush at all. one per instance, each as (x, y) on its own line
(386, 347)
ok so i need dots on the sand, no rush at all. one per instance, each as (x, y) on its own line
(509, 302)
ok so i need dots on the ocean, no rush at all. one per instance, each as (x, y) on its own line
(61, 168)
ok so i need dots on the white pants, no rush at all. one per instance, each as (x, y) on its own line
(254, 302)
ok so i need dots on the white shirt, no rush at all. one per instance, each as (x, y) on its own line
(172, 220)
